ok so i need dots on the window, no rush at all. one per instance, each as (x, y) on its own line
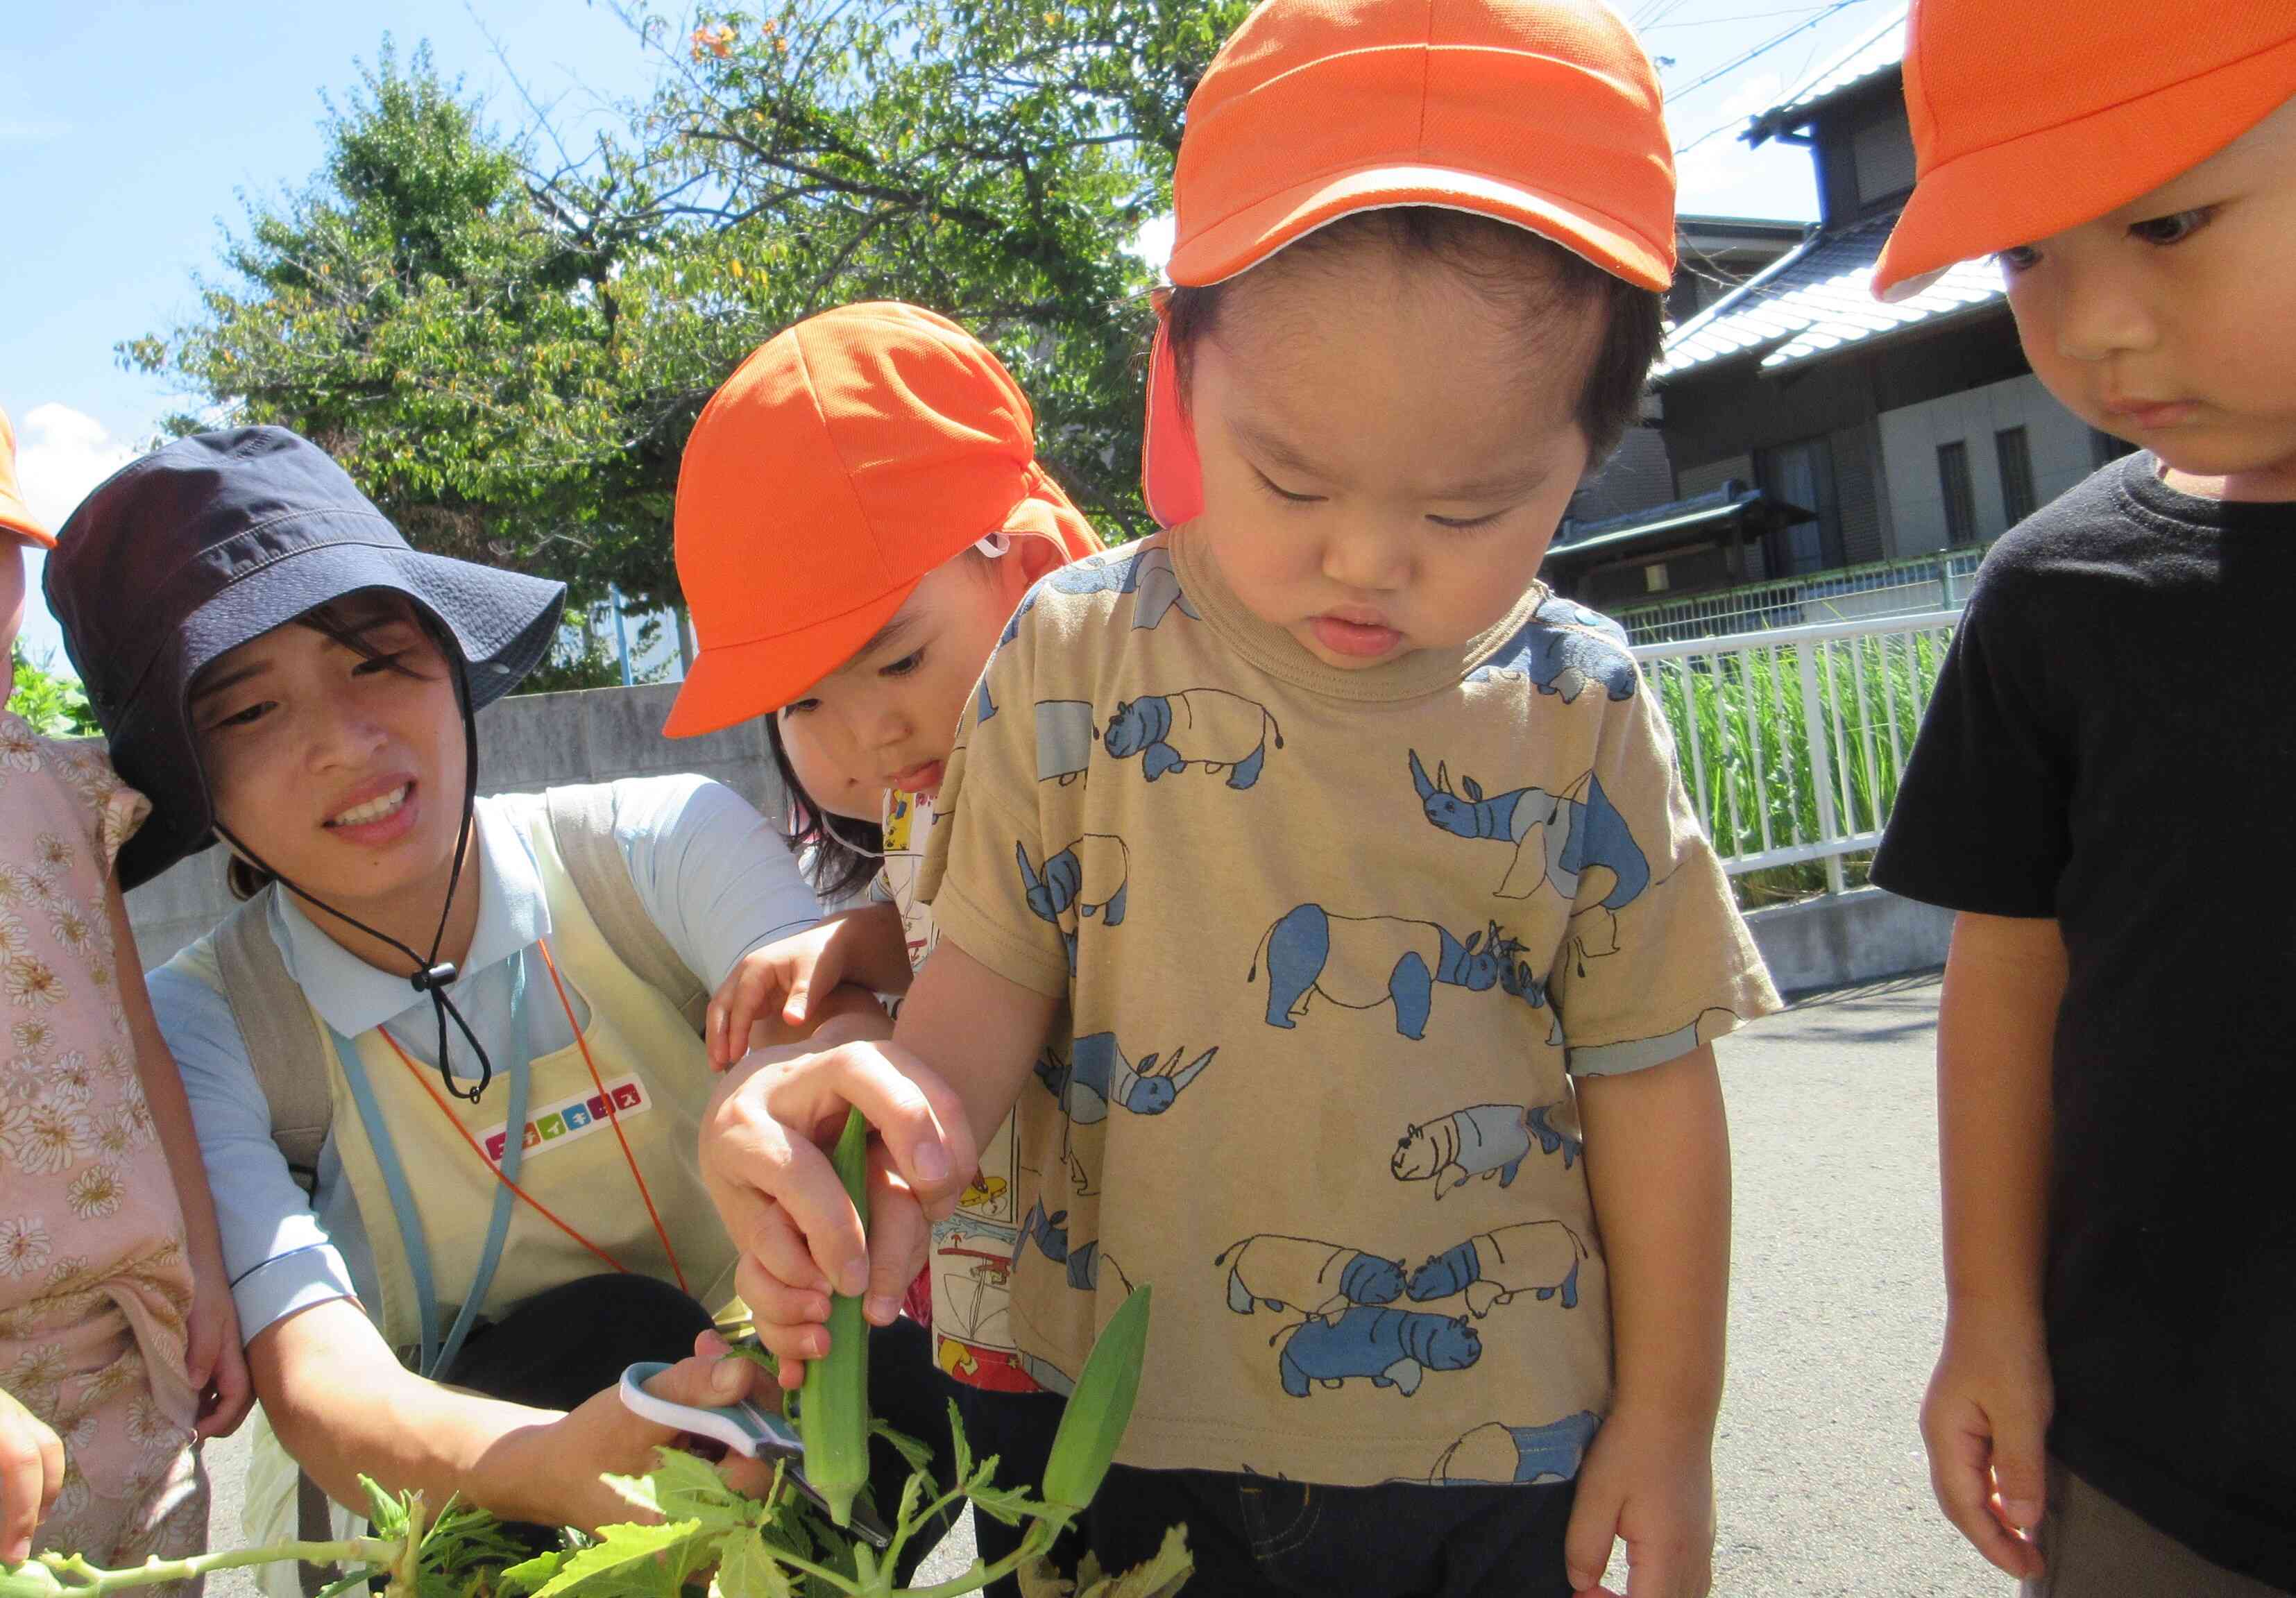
(2015, 458)
(1800, 475)
(1960, 502)
(1882, 152)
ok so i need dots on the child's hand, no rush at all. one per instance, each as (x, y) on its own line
(785, 978)
(763, 1160)
(31, 1475)
(1986, 1422)
(214, 1360)
(1648, 1482)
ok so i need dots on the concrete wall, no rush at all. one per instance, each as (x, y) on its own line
(526, 743)
(1858, 936)
(2057, 441)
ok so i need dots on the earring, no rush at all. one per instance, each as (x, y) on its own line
(995, 544)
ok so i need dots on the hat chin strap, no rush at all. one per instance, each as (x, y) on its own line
(431, 975)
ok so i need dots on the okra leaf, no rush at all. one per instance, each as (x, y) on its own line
(748, 1569)
(688, 1488)
(1010, 1506)
(918, 1454)
(620, 1561)
(532, 1574)
(962, 1448)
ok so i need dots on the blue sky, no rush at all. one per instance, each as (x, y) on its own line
(128, 131)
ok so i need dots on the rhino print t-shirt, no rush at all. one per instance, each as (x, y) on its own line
(1331, 946)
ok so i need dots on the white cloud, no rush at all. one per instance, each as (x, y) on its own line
(1721, 176)
(60, 454)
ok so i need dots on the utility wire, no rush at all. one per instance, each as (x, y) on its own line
(1747, 59)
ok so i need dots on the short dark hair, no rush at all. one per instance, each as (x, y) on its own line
(1529, 276)
(845, 857)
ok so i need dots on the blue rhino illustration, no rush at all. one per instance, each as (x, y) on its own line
(1065, 735)
(1299, 1275)
(1538, 1258)
(1148, 575)
(1208, 727)
(1090, 877)
(1395, 1347)
(1562, 649)
(983, 707)
(1500, 1454)
(1558, 837)
(1085, 1264)
(1096, 1075)
(1360, 962)
(1482, 1140)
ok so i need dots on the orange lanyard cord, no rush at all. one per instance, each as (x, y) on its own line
(614, 1116)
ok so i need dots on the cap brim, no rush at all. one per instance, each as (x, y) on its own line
(1243, 241)
(731, 683)
(503, 623)
(2025, 190)
(16, 520)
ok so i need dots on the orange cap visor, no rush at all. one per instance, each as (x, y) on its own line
(844, 460)
(2032, 118)
(15, 516)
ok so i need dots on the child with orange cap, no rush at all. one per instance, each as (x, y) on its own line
(119, 1349)
(859, 509)
(1319, 885)
(2096, 792)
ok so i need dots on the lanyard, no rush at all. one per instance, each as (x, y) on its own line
(436, 1356)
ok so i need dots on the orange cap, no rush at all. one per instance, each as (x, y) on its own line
(15, 515)
(840, 463)
(1545, 113)
(2034, 118)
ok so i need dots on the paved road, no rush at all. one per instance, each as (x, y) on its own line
(1834, 1315)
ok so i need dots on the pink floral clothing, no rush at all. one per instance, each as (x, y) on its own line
(95, 1284)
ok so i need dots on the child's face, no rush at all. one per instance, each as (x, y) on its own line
(886, 718)
(2171, 322)
(1385, 456)
(341, 773)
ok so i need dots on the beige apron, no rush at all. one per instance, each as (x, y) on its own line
(655, 1073)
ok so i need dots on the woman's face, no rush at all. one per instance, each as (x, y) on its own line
(338, 767)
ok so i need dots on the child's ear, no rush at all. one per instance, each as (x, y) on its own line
(1031, 557)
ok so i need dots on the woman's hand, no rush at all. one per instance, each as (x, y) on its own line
(604, 1436)
(764, 1159)
(782, 983)
(31, 1475)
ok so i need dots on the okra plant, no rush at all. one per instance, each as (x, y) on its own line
(699, 1528)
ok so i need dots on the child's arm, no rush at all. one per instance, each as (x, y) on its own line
(786, 980)
(1658, 1167)
(1986, 1415)
(962, 1052)
(31, 1475)
(213, 1358)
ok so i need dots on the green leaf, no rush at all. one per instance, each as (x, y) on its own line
(1010, 1505)
(531, 1575)
(748, 1569)
(1158, 1577)
(620, 1561)
(918, 1454)
(685, 1487)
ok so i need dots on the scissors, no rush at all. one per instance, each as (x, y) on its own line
(746, 1428)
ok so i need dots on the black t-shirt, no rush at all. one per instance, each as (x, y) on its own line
(2114, 743)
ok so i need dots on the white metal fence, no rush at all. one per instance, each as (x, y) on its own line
(1935, 582)
(1791, 740)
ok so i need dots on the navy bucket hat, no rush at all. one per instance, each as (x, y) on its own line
(215, 539)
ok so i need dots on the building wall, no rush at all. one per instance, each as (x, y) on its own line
(1636, 476)
(2058, 443)
(526, 743)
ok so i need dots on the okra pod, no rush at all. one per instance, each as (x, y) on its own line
(833, 1418)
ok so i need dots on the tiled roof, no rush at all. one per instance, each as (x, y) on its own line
(1815, 300)
(1877, 52)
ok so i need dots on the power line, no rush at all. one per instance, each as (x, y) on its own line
(1747, 59)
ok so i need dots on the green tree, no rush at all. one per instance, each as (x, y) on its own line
(52, 702)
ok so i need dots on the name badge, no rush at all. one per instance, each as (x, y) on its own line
(556, 1126)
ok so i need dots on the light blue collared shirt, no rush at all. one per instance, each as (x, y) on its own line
(716, 878)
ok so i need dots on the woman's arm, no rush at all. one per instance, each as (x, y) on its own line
(343, 1407)
(213, 1356)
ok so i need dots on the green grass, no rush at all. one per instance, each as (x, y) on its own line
(1742, 744)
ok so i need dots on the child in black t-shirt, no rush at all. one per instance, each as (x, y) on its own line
(2103, 789)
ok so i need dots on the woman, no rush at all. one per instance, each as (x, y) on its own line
(444, 1062)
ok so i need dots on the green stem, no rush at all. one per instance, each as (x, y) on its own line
(75, 1576)
(1038, 1539)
